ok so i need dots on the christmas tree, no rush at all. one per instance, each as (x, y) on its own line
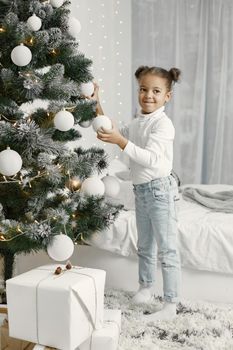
(41, 99)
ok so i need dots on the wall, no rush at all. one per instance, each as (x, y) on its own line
(105, 38)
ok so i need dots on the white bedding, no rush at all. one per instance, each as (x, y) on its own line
(205, 237)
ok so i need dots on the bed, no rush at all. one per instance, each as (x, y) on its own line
(205, 239)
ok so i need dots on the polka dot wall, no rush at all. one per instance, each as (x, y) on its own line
(105, 38)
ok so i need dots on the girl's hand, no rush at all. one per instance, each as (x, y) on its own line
(112, 136)
(95, 97)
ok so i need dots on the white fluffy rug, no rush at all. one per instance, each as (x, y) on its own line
(198, 326)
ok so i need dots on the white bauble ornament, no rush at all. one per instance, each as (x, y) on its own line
(61, 248)
(112, 186)
(93, 186)
(21, 55)
(87, 89)
(10, 162)
(74, 26)
(56, 3)
(63, 120)
(34, 23)
(85, 124)
(102, 121)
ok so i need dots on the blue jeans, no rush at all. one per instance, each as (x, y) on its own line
(156, 219)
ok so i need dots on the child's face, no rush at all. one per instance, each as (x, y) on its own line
(152, 93)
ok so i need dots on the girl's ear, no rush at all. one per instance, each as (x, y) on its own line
(169, 95)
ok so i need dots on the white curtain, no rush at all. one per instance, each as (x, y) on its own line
(195, 36)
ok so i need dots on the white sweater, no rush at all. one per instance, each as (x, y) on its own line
(150, 146)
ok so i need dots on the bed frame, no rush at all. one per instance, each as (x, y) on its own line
(122, 273)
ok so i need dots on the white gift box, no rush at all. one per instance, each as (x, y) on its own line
(59, 311)
(106, 338)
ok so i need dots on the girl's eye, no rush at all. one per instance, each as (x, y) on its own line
(142, 89)
(156, 91)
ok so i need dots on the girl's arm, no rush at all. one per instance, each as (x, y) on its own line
(112, 136)
(154, 149)
(95, 96)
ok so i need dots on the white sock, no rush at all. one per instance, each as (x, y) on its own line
(168, 313)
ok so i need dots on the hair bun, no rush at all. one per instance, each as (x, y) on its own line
(175, 74)
(140, 70)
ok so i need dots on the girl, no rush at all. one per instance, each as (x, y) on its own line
(148, 141)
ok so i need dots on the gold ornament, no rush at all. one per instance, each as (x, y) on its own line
(74, 184)
(54, 52)
(29, 41)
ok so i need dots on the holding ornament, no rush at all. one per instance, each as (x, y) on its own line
(102, 122)
(148, 142)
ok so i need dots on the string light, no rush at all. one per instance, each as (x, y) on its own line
(10, 179)
(3, 239)
(9, 120)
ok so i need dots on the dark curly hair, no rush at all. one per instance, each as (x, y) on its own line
(171, 76)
